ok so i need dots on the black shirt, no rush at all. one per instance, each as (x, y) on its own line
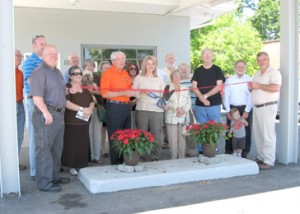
(207, 79)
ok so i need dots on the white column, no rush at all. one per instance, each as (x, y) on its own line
(288, 151)
(9, 161)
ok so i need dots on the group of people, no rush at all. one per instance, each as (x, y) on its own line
(64, 129)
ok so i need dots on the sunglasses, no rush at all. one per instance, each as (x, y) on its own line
(76, 74)
(36, 37)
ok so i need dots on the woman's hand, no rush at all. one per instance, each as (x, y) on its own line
(87, 111)
(179, 112)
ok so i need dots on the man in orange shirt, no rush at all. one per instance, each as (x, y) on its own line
(19, 101)
(115, 87)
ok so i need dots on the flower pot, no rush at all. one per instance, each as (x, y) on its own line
(134, 160)
(209, 150)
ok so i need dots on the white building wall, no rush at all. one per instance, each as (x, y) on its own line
(69, 29)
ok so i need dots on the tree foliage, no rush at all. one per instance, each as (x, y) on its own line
(267, 19)
(230, 39)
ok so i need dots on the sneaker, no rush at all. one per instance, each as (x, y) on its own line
(22, 167)
(73, 172)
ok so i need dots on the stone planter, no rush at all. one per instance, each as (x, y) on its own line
(133, 161)
(209, 150)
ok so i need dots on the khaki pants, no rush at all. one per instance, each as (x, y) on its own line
(176, 140)
(264, 133)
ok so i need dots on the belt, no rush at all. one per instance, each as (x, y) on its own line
(117, 102)
(60, 110)
(29, 97)
(238, 106)
(266, 104)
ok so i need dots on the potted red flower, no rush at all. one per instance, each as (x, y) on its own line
(207, 133)
(128, 142)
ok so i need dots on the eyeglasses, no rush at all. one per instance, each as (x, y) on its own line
(36, 37)
(76, 74)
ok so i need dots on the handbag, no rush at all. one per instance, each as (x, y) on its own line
(101, 111)
(189, 119)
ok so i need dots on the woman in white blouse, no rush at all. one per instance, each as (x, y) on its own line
(149, 116)
(176, 111)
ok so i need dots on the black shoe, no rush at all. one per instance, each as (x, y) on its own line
(105, 155)
(33, 178)
(51, 188)
(61, 169)
(62, 180)
(22, 167)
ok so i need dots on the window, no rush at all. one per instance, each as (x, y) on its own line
(134, 54)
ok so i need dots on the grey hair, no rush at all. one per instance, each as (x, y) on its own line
(262, 53)
(103, 63)
(88, 62)
(173, 73)
(114, 54)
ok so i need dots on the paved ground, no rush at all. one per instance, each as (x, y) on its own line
(74, 198)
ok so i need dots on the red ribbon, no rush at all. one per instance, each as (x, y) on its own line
(153, 90)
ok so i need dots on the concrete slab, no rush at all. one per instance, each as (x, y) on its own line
(161, 173)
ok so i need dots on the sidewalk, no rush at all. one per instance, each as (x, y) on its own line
(74, 198)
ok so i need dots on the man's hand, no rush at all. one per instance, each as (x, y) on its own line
(48, 118)
(245, 115)
(129, 93)
(206, 102)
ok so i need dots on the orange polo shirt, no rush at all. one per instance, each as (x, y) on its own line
(115, 80)
(19, 85)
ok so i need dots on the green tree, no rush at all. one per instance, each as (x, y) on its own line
(267, 19)
(230, 39)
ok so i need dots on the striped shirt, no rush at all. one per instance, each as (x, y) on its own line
(28, 66)
(188, 84)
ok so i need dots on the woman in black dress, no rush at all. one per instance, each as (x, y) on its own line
(79, 108)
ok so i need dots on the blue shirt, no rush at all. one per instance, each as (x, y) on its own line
(28, 66)
(161, 74)
(66, 76)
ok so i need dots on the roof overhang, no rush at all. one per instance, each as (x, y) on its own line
(199, 11)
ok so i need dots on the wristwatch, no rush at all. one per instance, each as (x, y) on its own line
(80, 108)
(205, 96)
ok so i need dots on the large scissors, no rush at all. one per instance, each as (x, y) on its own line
(162, 101)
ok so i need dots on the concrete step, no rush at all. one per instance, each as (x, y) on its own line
(161, 173)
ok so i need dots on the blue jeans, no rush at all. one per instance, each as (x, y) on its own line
(205, 114)
(29, 110)
(20, 123)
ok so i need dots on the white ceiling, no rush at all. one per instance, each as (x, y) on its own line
(199, 11)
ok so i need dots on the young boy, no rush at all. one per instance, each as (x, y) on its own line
(237, 128)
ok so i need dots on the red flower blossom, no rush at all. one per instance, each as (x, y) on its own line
(121, 137)
(211, 122)
(128, 140)
(208, 132)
